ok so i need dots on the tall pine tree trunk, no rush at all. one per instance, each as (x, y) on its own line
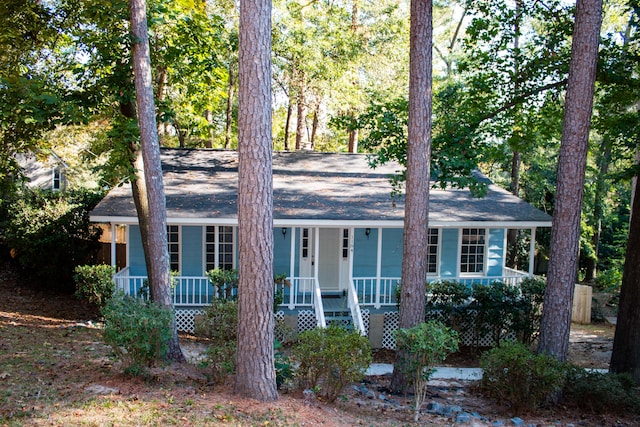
(287, 123)
(255, 374)
(626, 343)
(157, 255)
(301, 112)
(416, 214)
(565, 232)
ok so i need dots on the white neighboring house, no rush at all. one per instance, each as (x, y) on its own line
(46, 172)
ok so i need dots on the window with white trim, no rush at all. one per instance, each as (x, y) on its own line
(305, 243)
(472, 250)
(173, 241)
(432, 250)
(219, 247)
(345, 243)
(56, 183)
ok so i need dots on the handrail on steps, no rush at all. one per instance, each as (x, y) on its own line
(317, 304)
(354, 305)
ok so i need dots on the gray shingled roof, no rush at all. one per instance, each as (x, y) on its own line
(202, 184)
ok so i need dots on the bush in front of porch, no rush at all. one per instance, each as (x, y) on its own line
(486, 315)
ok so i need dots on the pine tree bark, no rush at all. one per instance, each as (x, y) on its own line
(626, 342)
(255, 374)
(156, 229)
(565, 232)
(414, 262)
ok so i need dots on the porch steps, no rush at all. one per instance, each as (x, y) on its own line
(336, 311)
(341, 318)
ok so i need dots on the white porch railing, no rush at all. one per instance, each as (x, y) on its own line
(354, 306)
(317, 304)
(378, 292)
(191, 291)
(381, 291)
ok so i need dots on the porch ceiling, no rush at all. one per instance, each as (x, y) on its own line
(202, 184)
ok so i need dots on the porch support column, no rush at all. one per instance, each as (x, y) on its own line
(351, 251)
(532, 251)
(292, 263)
(113, 245)
(316, 252)
(378, 267)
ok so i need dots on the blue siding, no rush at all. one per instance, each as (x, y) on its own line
(449, 252)
(191, 251)
(392, 252)
(495, 252)
(137, 264)
(365, 252)
(281, 251)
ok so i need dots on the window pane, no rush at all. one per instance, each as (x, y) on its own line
(472, 250)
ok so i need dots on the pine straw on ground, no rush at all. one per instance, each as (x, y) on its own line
(55, 370)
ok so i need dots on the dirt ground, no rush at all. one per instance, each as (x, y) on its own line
(55, 370)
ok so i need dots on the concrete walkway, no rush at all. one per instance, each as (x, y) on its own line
(443, 373)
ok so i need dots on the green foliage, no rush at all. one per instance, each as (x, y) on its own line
(447, 300)
(138, 331)
(513, 374)
(51, 231)
(602, 392)
(422, 348)
(220, 325)
(283, 365)
(94, 283)
(280, 281)
(610, 280)
(220, 321)
(526, 322)
(497, 309)
(330, 358)
(225, 283)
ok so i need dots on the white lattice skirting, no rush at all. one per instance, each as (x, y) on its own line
(185, 319)
(391, 321)
(306, 320)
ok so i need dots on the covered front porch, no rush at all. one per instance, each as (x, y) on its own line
(334, 272)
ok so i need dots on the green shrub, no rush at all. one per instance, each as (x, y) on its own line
(52, 231)
(225, 283)
(220, 324)
(610, 280)
(330, 358)
(138, 331)
(512, 373)
(283, 365)
(447, 301)
(94, 283)
(422, 348)
(602, 392)
(496, 307)
(526, 320)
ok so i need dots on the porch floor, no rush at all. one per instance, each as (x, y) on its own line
(334, 303)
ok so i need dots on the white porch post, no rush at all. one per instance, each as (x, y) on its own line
(532, 251)
(113, 245)
(292, 263)
(351, 251)
(316, 251)
(378, 267)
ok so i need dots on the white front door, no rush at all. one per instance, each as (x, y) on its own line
(332, 257)
(329, 259)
